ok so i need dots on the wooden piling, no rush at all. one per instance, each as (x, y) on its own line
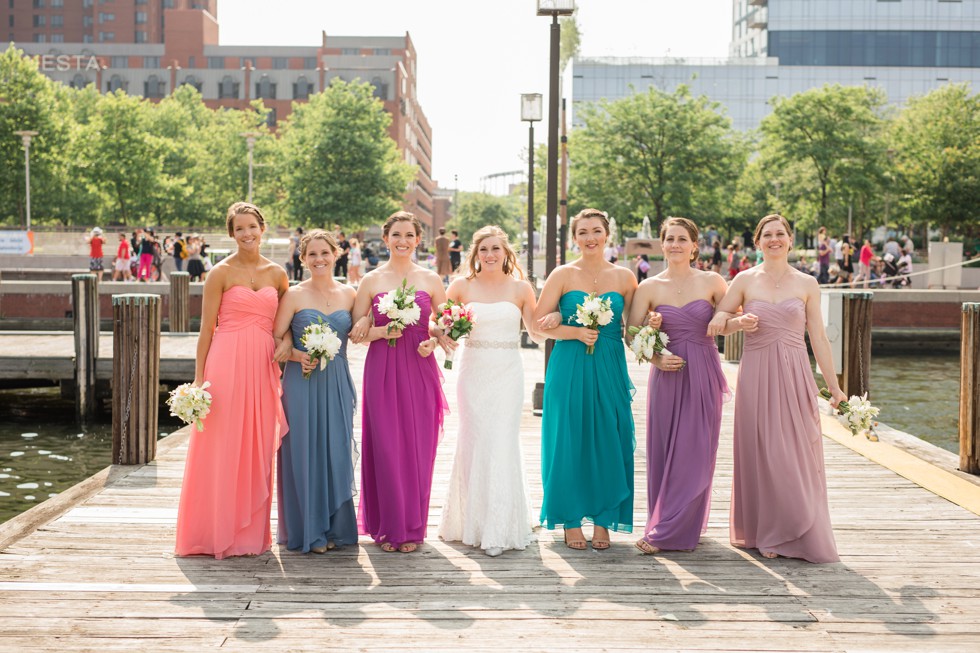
(85, 321)
(733, 346)
(855, 374)
(970, 390)
(180, 297)
(135, 377)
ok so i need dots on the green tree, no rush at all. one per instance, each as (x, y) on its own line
(656, 154)
(570, 40)
(477, 210)
(936, 142)
(339, 163)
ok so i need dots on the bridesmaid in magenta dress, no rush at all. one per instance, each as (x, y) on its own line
(779, 489)
(226, 495)
(403, 401)
(686, 392)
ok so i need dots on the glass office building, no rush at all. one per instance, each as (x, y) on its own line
(783, 47)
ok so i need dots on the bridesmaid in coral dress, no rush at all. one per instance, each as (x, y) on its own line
(403, 401)
(686, 392)
(779, 489)
(226, 495)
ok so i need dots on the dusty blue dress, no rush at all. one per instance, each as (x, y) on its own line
(316, 460)
(587, 433)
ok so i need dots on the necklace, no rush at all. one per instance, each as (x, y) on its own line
(683, 283)
(780, 279)
(594, 275)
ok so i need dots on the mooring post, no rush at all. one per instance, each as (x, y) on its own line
(970, 390)
(135, 377)
(855, 374)
(85, 319)
(180, 297)
(733, 346)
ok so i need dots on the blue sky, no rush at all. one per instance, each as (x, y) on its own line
(476, 58)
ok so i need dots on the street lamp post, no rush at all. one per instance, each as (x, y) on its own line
(26, 137)
(250, 142)
(531, 110)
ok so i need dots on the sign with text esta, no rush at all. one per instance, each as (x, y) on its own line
(16, 242)
(65, 62)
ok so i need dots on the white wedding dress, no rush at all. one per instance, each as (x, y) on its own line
(487, 505)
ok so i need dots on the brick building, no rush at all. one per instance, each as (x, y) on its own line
(150, 47)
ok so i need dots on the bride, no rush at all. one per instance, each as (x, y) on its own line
(487, 506)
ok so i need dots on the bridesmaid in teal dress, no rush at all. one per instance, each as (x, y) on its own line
(587, 435)
(315, 468)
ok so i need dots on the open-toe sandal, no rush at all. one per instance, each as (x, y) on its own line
(646, 548)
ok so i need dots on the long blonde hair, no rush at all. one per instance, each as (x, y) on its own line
(510, 261)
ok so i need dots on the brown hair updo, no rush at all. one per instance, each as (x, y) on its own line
(400, 216)
(510, 261)
(772, 217)
(243, 208)
(585, 214)
(317, 234)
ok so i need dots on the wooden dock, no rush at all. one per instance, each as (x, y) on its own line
(93, 569)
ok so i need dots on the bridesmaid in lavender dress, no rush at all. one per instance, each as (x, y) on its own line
(686, 391)
(779, 489)
(402, 398)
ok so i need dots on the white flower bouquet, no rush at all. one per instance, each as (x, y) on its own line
(648, 342)
(457, 320)
(857, 414)
(191, 404)
(593, 313)
(400, 307)
(322, 343)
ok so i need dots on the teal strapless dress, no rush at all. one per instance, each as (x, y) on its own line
(587, 433)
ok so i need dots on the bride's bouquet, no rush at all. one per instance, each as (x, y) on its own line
(857, 414)
(191, 404)
(321, 342)
(457, 321)
(648, 342)
(593, 313)
(400, 307)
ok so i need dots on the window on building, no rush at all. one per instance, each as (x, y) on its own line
(350, 51)
(119, 62)
(280, 63)
(245, 62)
(87, 38)
(40, 38)
(382, 52)
(380, 88)
(86, 4)
(57, 3)
(216, 63)
(139, 36)
(270, 118)
(57, 20)
(302, 88)
(141, 18)
(228, 88)
(151, 62)
(191, 62)
(105, 17)
(191, 80)
(57, 38)
(265, 88)
(115, 83)
(10, 19)
(309, 63)
(168, 4)
(38, 4)
(39, 20)
(154, 87)
(141, 2)
(78, 81)
(87, 21)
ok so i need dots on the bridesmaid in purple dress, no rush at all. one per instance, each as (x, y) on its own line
(686, 391)
(403, 402)
(779, 489)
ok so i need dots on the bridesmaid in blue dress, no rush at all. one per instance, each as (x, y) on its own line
(315, 468)
(587, 435)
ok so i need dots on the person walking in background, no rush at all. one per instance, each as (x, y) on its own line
(824, 251)
(294, 254)
(226, 494)
(179, 250)
(716, 257)
(487, 504)
(686, 391)
(846, 262)
(455, 250)
(343, 256)
(864, 263)
(195, 266)
(587, 428)
(146, 253)
(95, 242)
(642, 267)
(315, 467)
(402, 398)
(356, 261)
(120, 267)
(443, 265)
(779, 487)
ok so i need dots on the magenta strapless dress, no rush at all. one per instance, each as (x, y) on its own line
(226, 495)
(401, 422)
(779, 489)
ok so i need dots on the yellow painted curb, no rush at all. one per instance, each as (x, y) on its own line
(922, 473)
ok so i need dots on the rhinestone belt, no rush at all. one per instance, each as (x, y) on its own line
(492, 344)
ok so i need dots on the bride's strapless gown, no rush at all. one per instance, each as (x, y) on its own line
(487, 505)
(779, 489)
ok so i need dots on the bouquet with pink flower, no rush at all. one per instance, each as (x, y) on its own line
(457, 321)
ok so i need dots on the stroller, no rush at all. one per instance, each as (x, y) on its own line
(896, 277)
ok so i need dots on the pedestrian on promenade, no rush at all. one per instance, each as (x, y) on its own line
(846, 261)
(779, 488)
(195, 264)
(315, 468)
(864, 263)
(487, 505)
(642, 267)
(179, 250)
(95, 242)
(685, 393)
(824, 251)
(120, 267)
(146, 253)
(226, 495)
(402, 398)
(443, 265)
(355, 269)
(587, 427)
(455, 250)
(340, 269)
(294, 254)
